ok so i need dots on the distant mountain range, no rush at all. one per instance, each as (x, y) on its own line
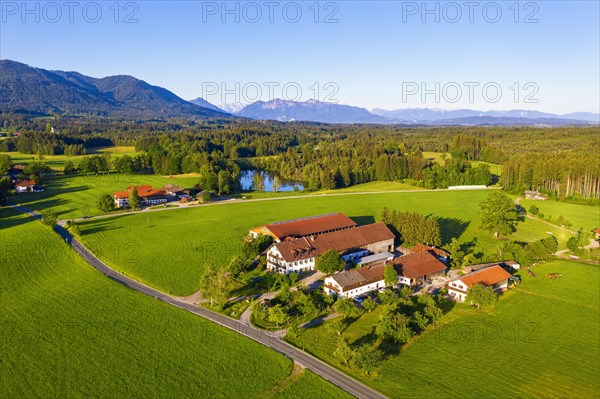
(36, 91)
(311, 110)
(430, 115)
(317, 111)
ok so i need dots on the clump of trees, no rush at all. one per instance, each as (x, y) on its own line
(413, 228)
(401, 319)
(250, 250)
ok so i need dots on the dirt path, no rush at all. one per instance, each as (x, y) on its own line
(528, 216)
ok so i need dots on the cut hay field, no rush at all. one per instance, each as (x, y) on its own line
(57, 162)
(76, 196)
(166, 249)
(68, 331)
(541, 340)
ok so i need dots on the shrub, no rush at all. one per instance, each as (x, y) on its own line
(534, 210)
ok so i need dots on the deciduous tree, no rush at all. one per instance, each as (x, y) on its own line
(498, 214)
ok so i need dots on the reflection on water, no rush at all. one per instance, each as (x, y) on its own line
(286, 185)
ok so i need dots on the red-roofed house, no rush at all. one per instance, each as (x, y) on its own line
(147, 194)
(25, 186)
(494, 276)
(597, 232)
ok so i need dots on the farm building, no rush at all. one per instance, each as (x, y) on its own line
(310, 226)
(376, 259)
(26, 186)
(355, 282)
(175, 192)
(596, 232)
(16, 170)
(411, 269)
(494, 276)
(508, 265)
(296, 255)
(437, 252)
(147, 194)
(535, 195)
(418, 267)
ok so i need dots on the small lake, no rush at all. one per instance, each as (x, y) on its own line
(286, 185)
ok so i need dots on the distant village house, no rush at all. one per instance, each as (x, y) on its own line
(535, 195)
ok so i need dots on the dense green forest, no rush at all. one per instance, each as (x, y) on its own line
(561, 162)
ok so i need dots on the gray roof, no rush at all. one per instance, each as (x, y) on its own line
(348, 278)
(375, 258)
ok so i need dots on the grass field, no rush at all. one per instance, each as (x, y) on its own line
(375, 186)
(68, 331)
(310, 386)
(539, 341)
(586, 216)
(437, 157)
(167, 249)
(57, 162)
(76, 196)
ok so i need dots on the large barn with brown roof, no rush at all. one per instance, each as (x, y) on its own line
(303, 227)
(297, 255)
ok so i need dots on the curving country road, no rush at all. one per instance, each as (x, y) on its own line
(271, 340)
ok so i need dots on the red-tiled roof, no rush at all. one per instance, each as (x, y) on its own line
(418, 264)
(342, 240)
(143, 192)
(488, 276)
(597, 230)
(24, 183)
(308, 226)
(436, 251)
(121, 194)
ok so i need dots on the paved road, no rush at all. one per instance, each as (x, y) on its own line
(266, 338)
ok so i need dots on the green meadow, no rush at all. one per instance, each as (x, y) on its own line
(68, 331)
(167, 249)
(586, 216)
(541, 340)
(57, 162)
(76, 196)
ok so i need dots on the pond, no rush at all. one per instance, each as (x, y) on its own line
(286, 185)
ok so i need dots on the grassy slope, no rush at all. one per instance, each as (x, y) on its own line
(76, 196)
(57, 162)
(541, 340)
(167, 249)
(586, 216)
(68, 331)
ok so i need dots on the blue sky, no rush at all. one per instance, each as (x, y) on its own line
(370, 54)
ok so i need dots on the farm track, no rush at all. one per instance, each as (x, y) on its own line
(271, 340)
